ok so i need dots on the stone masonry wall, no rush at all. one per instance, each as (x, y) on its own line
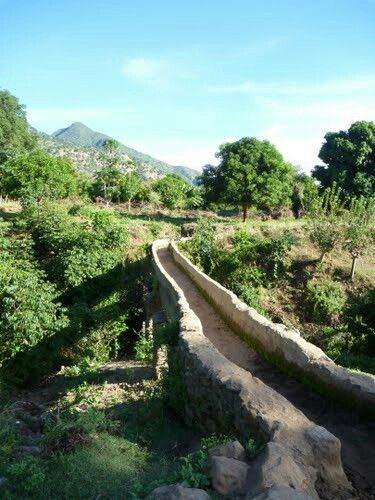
(282, 345)
(298, 453)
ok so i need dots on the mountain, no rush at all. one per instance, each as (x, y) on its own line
(78, 133)
(82, 145)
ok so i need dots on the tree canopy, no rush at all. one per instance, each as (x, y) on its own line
(15, 135)
(349, 158)
(172, 190)
(250, 173)
(39, 176)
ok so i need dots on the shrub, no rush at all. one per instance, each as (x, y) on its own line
(202, 246)
(327, 299)
(144, 347)
(360, 320)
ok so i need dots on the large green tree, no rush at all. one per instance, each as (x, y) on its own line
(349, 158)
(250, 173)
(15, 135)
(39, 176)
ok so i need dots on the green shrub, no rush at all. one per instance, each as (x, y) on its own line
(360, 321)
(144, 347)
(194, 469)
(326, 299)
(202, 247)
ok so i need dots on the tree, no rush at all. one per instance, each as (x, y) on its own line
(15, 135)
(250, 173)
(129, 186)
(359, 231)
(326, 229)
(107, 183)
(39, 176)
(111, 145)
(172, 190)
(349, 158)
(305, 195)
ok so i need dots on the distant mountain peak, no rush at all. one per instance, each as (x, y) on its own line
(79, 134)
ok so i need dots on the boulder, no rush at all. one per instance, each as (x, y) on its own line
(233, 449)
(229, 476)
(277, 468)
(178, 491)
(280, 492)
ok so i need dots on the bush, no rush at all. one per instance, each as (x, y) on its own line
(360, 320)
(29, 309)
(326, 299)
(39, 176)
(202, 247)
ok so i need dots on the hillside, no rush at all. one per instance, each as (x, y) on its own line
(82, 145)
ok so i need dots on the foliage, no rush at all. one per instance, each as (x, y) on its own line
(172, 190)
(29, 309)
(144, 347)
(305, 195)
(327, 300)
(202, 247)
(349, 158)
(360, 320)
(326, 224)
(39, 176)
(359, 228)
(15, 135)
(250, 173)
(250, 264)
(194, 469)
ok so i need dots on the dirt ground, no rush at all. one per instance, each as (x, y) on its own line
(356, 433)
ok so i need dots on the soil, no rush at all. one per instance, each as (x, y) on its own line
(356, 433)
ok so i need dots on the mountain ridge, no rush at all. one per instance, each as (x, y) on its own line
(78, 134)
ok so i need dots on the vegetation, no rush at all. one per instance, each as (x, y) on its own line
(15, 135)
(264, 267)
(250, 173)
(78, 136)
(75, 273)
(38, 176)
(349, 160)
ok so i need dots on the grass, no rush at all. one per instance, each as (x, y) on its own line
(134, 449)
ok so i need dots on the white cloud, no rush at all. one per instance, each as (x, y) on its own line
(140, 68)
(339, 86)
(298, 130)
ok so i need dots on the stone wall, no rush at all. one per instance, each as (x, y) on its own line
(297, 453)
(282, 346)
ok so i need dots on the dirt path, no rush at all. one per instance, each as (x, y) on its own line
(356, 433)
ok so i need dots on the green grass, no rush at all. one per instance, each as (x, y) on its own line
(115, 438)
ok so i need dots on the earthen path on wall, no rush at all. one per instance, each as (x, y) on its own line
(356, 433)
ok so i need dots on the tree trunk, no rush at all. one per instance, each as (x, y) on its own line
(354, 262)
(244, 213)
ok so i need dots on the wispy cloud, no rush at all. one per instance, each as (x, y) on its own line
(140, 68)
(157, 73)
(340, 86)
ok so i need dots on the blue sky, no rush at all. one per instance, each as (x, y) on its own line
(176, 79)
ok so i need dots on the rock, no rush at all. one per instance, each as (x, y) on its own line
(277, 468)
(178, 491)
(229, 476)
(280, 492)
(233, 449)
(3, 480)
